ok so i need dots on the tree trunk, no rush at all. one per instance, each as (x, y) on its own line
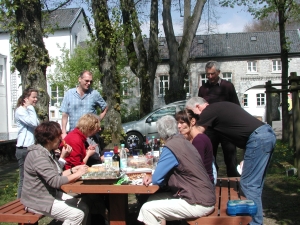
(284, 69)
(106, 47)
(179, 54)
(29, 53)
(144, 67)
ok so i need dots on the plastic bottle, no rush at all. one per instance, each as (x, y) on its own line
(123, 157)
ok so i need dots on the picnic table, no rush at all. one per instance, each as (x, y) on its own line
(118, 196)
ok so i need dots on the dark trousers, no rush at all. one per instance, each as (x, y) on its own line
(229, 152)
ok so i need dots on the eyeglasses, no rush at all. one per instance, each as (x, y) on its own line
(88, 81)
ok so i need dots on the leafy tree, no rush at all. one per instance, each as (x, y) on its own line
(24, 20)
(179, 53)
(142, 64)
(284, 9)
(270, 23)
(107, 38)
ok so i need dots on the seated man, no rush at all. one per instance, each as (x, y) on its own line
(181, 170)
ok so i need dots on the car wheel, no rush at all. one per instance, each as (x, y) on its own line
(134, 136)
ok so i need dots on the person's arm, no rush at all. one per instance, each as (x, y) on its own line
(64, 122)
(233, 96)
(103, 113)
(167, 161)
(75, 173)
(27, 116)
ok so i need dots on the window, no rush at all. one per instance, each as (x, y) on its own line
(227, 76)
(245, 100)
(187, 84)
(277, 65)
(163, 84)
(203, 79)
(57, 95)
(1, 74)
(260, 99)
(252, 66)
(124, 86)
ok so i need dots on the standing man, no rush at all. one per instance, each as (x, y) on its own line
(218, 90)
(246, 132)
(79, 101)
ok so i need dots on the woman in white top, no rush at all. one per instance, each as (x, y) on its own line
(27, 121)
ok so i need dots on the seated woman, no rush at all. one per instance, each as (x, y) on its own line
(87, 126)
(43, 178)
(186, 122)
(181, 169)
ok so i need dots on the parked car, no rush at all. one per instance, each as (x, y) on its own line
(146, 126)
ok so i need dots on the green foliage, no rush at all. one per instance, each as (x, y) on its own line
(69, 66)
(129, 114)
(283, 153)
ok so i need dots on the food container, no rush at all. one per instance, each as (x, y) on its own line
(134, 174)
(140, 162)
(235, 207)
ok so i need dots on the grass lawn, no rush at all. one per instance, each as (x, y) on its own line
(281, 194)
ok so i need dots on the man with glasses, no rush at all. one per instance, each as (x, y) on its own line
(79, 101)
(218, 90)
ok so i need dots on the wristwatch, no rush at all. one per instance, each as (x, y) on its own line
(71, 171)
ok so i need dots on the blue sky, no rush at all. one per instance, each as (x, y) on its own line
(231, 20)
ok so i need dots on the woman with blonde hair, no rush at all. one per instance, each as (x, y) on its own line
(87, 126)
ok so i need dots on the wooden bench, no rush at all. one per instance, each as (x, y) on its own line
(14, 212)
(226, 189)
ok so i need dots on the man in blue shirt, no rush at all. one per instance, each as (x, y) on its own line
(79, 101)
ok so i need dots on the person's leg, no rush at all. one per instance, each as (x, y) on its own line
(21, 154)
(70, 210)
(257, 156)
(163, 206)
(229, 153)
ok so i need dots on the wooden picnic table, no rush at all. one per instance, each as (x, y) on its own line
(118, 196)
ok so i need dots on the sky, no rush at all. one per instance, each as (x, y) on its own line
(229, 20)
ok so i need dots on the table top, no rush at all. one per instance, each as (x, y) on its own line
(80, 187)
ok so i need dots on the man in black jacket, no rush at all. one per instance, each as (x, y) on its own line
(218, 90)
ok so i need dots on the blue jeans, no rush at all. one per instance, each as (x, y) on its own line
(259, 149)
(21, 154)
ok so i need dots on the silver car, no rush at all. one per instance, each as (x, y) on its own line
(146, 126)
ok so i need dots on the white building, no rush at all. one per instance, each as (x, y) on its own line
(71, 28)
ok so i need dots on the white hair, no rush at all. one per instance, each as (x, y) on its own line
(166, 127)
(192, 102)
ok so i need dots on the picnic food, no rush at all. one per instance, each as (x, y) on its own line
(93, 169)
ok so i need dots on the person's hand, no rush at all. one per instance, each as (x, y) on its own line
(81, 169)
(66, 150)
(26, 102)
(147, 180)
(91, 150)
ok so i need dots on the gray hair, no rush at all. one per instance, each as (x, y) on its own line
(193, 101)
(166, 127)
(211, 64)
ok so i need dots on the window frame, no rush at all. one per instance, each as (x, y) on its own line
(251, 68)
(162, 87)
(229, 79)
(277, 64)
(260, 99)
